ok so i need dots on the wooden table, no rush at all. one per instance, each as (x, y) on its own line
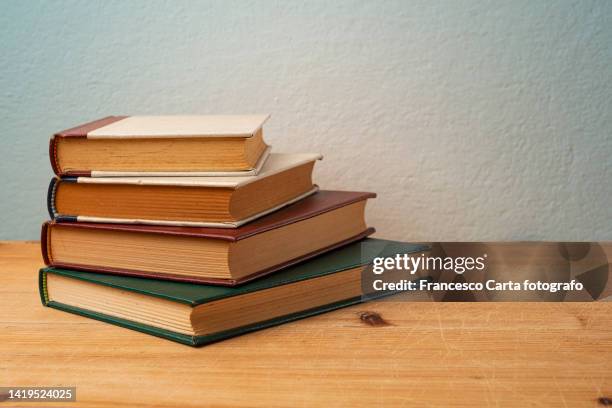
(427, 354)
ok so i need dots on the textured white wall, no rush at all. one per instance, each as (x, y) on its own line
(472, 120)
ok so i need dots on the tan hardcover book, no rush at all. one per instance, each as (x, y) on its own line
(223, 202)
(124, 146)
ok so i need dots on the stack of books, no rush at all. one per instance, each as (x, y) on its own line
(189, 228)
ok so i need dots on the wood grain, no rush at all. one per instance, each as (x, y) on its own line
(380, 353)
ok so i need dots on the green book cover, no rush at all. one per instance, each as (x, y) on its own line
(348, 257)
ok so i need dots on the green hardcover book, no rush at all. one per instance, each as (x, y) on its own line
(197, 314)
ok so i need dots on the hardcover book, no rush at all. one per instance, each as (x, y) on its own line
(199, 314)
(221, 202)
(319, 223)
(214, 145)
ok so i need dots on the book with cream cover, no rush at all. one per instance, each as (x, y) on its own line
(220, 202)
(316, 224)
(204, 145)
(199, 314)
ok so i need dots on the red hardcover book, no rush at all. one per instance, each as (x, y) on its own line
(314, 225)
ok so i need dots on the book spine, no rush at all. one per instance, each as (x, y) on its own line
(51, 197)
(45, 242)
(53, 155)
(42, 287)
